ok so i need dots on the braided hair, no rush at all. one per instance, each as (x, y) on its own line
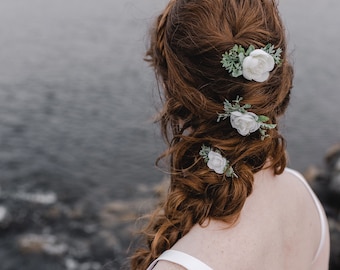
(186, 46)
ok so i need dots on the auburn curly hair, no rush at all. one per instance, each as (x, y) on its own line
(186, 49)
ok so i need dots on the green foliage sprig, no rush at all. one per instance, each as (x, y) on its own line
(276, 54)
(232, 60)
(229, 108)
(228, 170)
(237, 107)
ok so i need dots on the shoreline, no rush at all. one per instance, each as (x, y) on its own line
(76, 235)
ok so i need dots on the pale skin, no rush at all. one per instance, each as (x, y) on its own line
(279, 228)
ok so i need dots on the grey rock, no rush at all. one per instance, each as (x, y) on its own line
(42, 198)
(326, 184)
(3, 213)
(45, 243)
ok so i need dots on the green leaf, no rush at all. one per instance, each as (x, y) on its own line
(263, 118)
(205, 152)
(268, 126)
(250, 49)
(236, 73)
(276, 54)
(229, 171)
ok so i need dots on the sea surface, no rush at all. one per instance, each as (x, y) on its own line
(77, 101)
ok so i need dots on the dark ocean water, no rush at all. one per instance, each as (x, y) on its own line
(76, 99)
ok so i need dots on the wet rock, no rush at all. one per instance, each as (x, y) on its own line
(77, 212)
(72, 264)
(3, 213)
(5, 217)
(110, 239)
(84, 229)
(80, 249)
(326, 184)
(332, 155)
(333, 163)
(72, 236)
(53, 213)
(116, 213)
(41, 198)
(47, 244)
(312, 173)
(334, 226)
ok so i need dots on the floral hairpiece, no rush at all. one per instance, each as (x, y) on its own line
(253, 64)
(245, 122)
(215, 161)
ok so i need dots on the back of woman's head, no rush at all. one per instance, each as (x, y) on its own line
(186, 50)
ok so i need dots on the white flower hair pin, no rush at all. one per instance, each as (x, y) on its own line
(215, 161)
(245, 122)
(253, 64)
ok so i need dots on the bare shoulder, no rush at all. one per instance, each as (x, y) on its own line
(165, 265)
(278, 219)
(302, 205)
(296, 193)
(293, 183)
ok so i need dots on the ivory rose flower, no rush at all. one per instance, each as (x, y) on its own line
(257, 65)
(245, 123)
(216, 162)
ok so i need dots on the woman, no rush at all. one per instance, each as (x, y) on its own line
(232, 203)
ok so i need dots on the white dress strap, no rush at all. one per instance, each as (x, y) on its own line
(187, 261)
(323, 220)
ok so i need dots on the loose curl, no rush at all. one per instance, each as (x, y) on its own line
(185, 50)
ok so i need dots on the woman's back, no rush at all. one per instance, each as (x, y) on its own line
(279, 228)
(226, 81)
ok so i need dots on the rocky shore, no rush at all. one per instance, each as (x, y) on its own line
(40, 231)
(326, 184)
